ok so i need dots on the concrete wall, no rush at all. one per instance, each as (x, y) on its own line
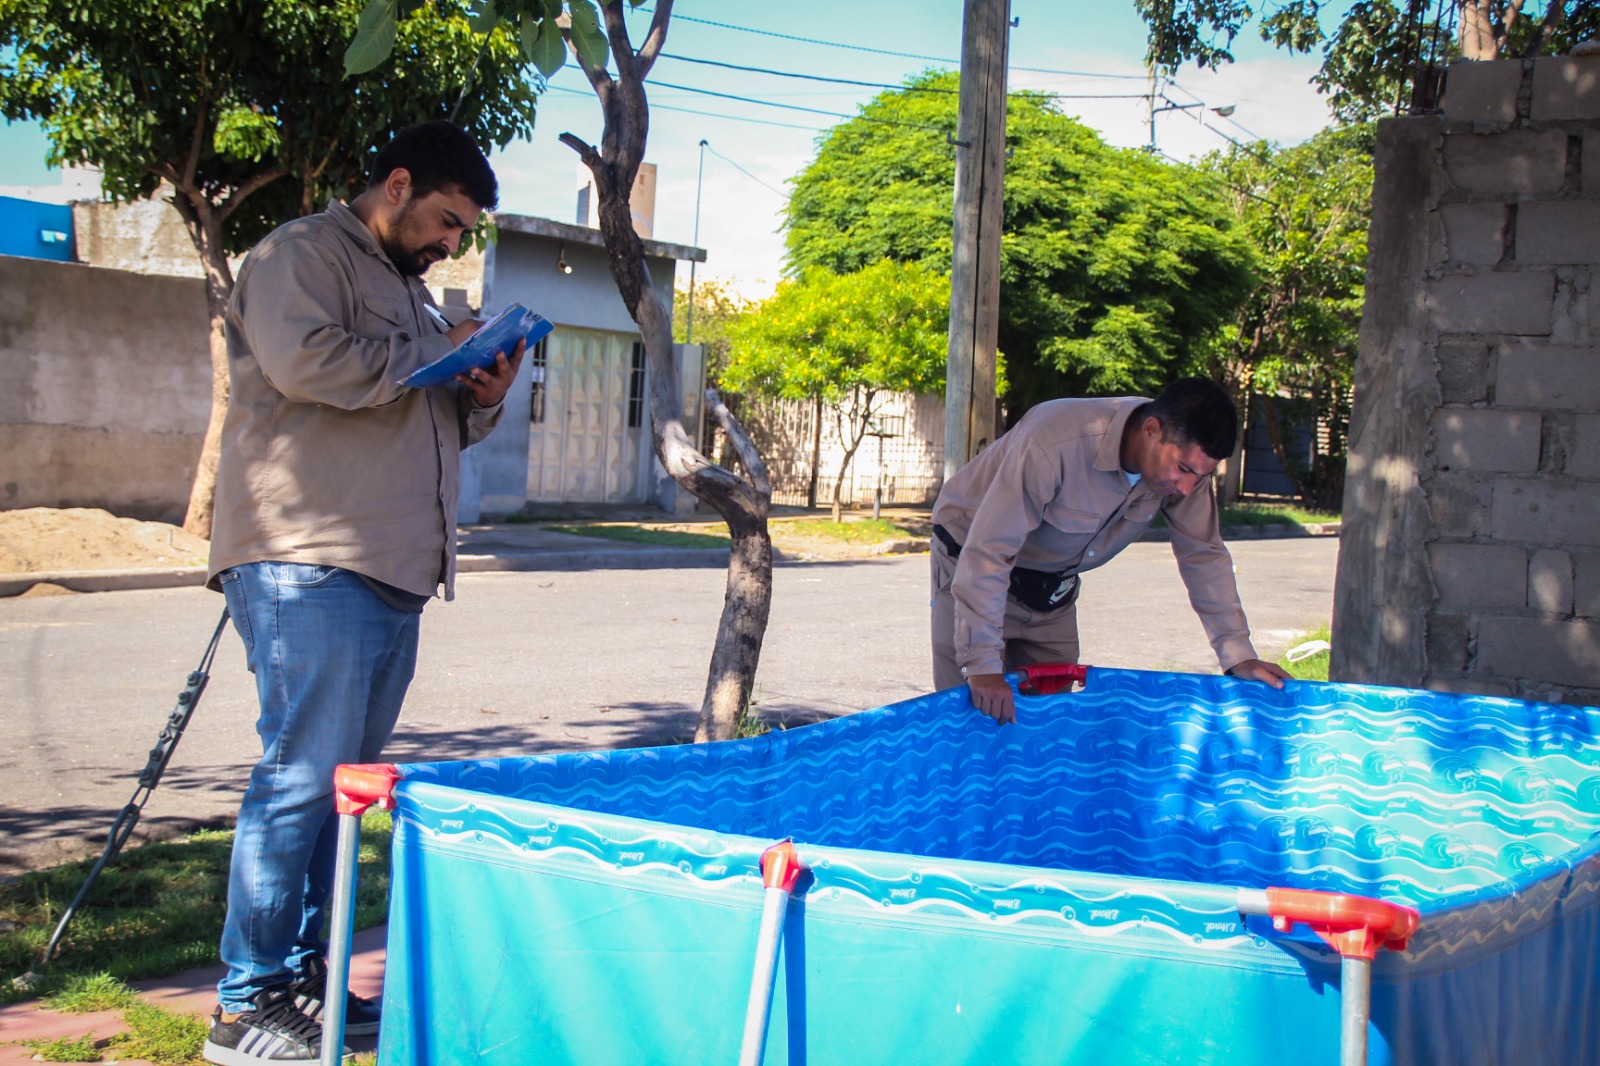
(1470, 556)
(107, 388)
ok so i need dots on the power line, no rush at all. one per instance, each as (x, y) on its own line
(898, 55)
(706, 114)
(795, 107)
(809, 77)
(745, 172)
(885, 85)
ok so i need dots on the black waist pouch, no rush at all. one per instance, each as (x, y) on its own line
(1037, 590)
(1043, 590)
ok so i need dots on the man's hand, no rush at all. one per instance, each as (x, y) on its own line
(1260, 670)
(462, 330)
(992, 696)
(490, 384)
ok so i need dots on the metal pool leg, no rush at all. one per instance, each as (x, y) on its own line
(356, 787)
(1358, 928)
(780, 869)
(339, 939)
(1355, 1009)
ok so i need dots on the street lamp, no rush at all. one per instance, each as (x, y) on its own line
(688, 327)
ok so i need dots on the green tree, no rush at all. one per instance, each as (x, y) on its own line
(239, 107)
(1114, 265)
(1293, 343)
(1374, 49)
(844, 341)
(715, 305)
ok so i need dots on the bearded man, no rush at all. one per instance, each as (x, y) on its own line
(335, 524)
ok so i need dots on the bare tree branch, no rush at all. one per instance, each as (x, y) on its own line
(197, 141)
(1508, 22)
(1547, 29)
(235, 198)
(585, 150)
(655, 38)
(628, 69)
(748, 455)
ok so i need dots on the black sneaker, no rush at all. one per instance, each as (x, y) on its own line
(276, 1031)
(310, 993)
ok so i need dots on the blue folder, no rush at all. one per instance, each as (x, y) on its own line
(500, 334)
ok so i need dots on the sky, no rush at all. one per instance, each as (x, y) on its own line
(754, 146)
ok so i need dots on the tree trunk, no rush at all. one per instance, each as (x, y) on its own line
(860, 418)
(743, 504)
(206, 230)
(1478, 39)
(816, 452)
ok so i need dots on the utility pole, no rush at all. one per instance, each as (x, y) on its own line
(1150, 105)
(975, 260)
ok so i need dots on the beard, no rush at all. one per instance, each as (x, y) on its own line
(410, 258)
(413, 262)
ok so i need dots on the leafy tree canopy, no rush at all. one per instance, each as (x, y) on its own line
(1368, 50)
(881, 328)
(1114, 265)
(1306, 210)
(230, 97)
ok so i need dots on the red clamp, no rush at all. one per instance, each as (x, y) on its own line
(780, 867)
(357, 786)
(1352, 925)
(1046, 679)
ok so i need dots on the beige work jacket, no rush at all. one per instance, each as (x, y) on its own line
(325, 459)
(1050, 494)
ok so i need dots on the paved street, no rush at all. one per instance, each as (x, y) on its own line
(538, 661)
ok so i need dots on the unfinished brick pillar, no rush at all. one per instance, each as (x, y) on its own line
(1470, 554)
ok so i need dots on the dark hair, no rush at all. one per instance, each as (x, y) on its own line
(1195, 411)
(437, 154)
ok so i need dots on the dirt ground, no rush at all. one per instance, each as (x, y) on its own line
(37, 539)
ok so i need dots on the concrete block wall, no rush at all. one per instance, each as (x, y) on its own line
(107, 388)
(1470, 559)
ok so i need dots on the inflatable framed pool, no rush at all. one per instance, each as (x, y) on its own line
(1062, 890)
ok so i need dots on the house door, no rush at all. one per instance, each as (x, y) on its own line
(586, 435)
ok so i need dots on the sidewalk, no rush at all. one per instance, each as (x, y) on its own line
(192, 992)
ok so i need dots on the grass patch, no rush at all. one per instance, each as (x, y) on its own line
(156, 910)
(1313, 667)
(860, 531)
(665, 538)
(87, 993)
(1261, 514)
(65, 1049)
(1272, 514)
(164, 1037)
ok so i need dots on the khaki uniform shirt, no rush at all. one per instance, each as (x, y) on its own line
(325, 459)
(1050, 495)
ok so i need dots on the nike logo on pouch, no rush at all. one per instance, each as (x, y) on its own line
(1061, 591)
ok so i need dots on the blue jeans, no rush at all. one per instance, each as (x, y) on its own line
(332, 662)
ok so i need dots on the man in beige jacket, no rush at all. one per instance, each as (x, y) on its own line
(335, 524)
(1065, 490)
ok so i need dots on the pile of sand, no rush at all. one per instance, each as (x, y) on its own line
(46, 539)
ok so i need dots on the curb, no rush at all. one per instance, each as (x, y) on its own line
(105, 580)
